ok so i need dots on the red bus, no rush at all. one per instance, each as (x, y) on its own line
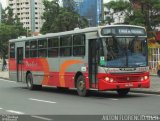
(112, 57)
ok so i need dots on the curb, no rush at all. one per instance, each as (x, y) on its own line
(4, 78)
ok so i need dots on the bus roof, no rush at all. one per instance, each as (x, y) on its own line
(75, 31)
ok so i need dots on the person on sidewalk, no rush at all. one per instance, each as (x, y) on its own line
(4, 65)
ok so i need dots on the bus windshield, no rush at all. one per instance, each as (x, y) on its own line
(124, 52)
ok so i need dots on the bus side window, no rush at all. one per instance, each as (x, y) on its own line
(53, 47)
(33, 48)
(66, 46)
(42, 48)
(27, 49)
(79, 45)
(12, 50)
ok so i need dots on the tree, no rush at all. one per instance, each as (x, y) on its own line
(51, 11)
(67, 20)
(138, 12)
(120, 8)
(69, 4)
(10, 28)
(59, 19)
(7, 16)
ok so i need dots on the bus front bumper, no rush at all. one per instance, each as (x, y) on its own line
(104, 85)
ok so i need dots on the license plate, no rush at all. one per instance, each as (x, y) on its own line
(129, 85)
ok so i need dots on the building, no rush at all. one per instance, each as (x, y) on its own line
(29, 12)
(91, 10)
(0, 12)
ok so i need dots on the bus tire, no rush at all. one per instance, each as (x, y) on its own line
(81, 86)
(123, 92)
(158, 73)
(30, 85)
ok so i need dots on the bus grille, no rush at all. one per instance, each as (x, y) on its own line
(126, 78)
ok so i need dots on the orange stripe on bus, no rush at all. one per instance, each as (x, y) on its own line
(46, 71)
(64, 67)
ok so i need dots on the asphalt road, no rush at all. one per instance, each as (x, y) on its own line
(16, 99)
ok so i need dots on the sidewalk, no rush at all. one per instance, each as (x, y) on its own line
(154, 89)
(4, 74)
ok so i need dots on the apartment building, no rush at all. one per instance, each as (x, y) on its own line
(29, 12)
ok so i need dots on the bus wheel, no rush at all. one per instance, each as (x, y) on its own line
(81, 86)
(158, 73)
(123, 92)
(30, 84)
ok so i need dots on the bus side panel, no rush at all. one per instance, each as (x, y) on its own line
(39, 69)
(66, 72)
(68, 69)
(54, 72)
(53, 79)
(12, 70)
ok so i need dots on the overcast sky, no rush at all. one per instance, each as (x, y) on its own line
(3, 3)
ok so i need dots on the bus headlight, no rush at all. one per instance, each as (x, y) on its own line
(145, 77)
(111, 80)
(107, 79)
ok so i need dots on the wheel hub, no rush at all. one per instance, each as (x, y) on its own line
(81, 85)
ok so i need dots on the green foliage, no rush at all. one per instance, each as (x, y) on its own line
(59, 19)
(10, 28)
(70, 5)
(136, 19)
(7, 16)
(51, 12)
(119, 5)
(148, 13)
(122, 7)
(67, 20)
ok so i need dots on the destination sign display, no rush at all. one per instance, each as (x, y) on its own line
(123, 31)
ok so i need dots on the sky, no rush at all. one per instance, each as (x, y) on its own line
(3, 3)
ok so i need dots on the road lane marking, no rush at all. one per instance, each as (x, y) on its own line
(45, 101)
(8, 81)
(114, 99)
(43, 118)
(16, 112)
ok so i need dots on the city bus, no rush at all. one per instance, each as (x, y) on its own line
(104, 58)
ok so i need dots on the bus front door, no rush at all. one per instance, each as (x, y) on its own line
(19, 64)
(92, 63)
